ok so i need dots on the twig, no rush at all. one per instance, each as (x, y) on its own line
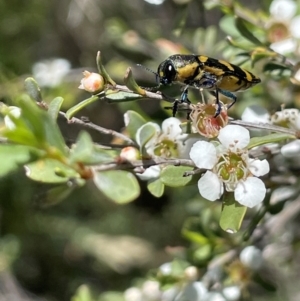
(144, 163)
(265, 126)
(148, 94)
(91, 125)
(98, 128)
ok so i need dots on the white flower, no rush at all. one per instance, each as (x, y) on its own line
(49, 73)
(232, 293)
(151, 173)
(283, 9)
(251, 257)
(291, 149)
(151, 291)
(193, 291)
(228, 165)
(167, 141)
(284, 26)
(256, 114)
(133, 294)
(14, 112)
(166, 268)
(288, 118)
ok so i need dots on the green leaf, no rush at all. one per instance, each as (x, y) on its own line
(245, 32)
(232, 214)
(132, 84)
(103, 71)
(14, 156)
(72, 111)
(113, 96)
(36, 128)
(156, 187)
(85, 151)
(33, 90)
(147, 131)
(173, 175)
(50, 171)
(54, 107)
(133, 121)
(202, 254)
(101, 156)
(83, 148)
(281, 70)
(276, 137)
(120, 186)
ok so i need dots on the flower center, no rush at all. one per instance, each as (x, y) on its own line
(231, 168)
(166, 148)
(205, 122)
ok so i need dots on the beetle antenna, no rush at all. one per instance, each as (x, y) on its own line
(156, 77)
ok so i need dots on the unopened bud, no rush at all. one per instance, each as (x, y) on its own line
(129, 153)
(92, 82)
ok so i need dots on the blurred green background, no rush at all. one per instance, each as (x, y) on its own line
(47, 253)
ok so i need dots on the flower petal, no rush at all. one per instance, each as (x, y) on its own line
(204, 154)
(294, 27)
(283, 9)
(285, 46)
(138, 132)
(234, 136)
(256, 113)
(291, 149)
(259, 167)
(171, 127)
(251, 257)
(150, 173)
(250, 192)
(210, 186)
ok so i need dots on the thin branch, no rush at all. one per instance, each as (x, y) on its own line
(144, 163)
(91, 125)
(265, 126)
(98, 128)
(148, 94)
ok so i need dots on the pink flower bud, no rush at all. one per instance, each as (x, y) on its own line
(92, 82)
(129, 153)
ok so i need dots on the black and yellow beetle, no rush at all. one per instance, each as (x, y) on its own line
(203, 72)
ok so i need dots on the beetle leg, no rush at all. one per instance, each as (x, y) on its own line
(229, 95)
(216, 94)
(175, 108)
(184, 95)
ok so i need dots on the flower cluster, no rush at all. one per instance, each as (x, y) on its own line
(228, 164)
(283, 31)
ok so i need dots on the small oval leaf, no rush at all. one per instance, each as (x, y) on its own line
(232, 214)
(133, 122)
(50, 171)
(72, 111)
(146, 132)
(121, 96)
(14, 156)
(173, 175)
(33, 89)
(54, 107)
(118, 185)
(156, 187)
